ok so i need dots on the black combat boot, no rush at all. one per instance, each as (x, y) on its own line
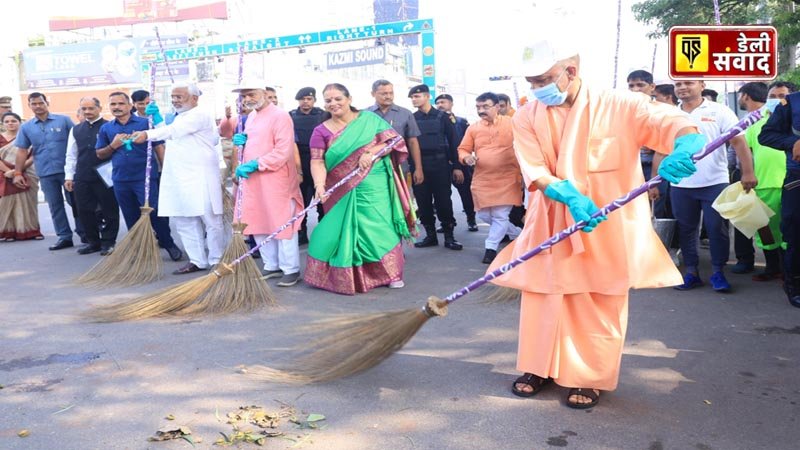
(450, 240)
(471, 224)
(430, 239)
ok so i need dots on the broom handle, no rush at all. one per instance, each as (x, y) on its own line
(239, 129)
(149, 164)
(164, 55)
(613, 206)
(379, 154)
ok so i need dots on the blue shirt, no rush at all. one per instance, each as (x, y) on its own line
(129, 165)
(782, 129)
(47, 140)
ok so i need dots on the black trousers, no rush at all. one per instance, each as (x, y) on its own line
(790, 227)
(465, 192)
(435, 189)
(90, 195)
(307, 189)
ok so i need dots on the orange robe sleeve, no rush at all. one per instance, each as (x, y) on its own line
(467, 145)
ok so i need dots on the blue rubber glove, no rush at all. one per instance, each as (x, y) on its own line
(128, 144)
(245, 169)
(152, 110)
(679, 165)
(239, 139)
(580, 206)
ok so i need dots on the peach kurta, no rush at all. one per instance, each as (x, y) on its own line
(271, 196)
(574, 311)
(496, 180)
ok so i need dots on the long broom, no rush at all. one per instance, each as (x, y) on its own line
(183, 296)
(136, 259)
(244, 291)
(350, 344)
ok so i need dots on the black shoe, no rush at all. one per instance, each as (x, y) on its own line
(105, 251)
(440, 230)
(506, 238)
(188, 268)
(489, 256)
(450, 240)
(302, 238)
(89, 248)
(62, 243)
(175, 253)
(472, 226)
(792, 289)
(84, 240)
(430, 241)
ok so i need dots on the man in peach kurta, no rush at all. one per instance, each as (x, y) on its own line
(579, 148)
(488, 145)
(269, 182)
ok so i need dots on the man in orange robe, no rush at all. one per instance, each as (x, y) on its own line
(579, 148)
(488, 145)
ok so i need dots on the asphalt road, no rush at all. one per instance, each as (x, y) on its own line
(700, 370)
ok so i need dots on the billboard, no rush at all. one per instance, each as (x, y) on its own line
(147, 11)
(95, 63)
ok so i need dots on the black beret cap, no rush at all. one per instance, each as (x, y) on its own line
(419, 89)
(445, 96)
(306, 92)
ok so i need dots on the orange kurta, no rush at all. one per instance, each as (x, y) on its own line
(574, 312)
(496, 180)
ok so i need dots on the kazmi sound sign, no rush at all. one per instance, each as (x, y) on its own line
(723, 53)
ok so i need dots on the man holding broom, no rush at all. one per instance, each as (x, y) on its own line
(271, 189)
(129, 162)
(191, 191)
(578, 148)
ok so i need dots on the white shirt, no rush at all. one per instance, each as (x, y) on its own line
(72, 154)
(190, 178)
(712, 119)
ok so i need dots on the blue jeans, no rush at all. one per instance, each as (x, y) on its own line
(130, 197)
(687, 203)
(54, 193)
(790, 226)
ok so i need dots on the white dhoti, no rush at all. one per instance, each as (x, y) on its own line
(200, 232)
(499, 226)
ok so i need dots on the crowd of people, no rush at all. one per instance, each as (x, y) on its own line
(568, 149)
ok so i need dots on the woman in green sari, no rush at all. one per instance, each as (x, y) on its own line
(357, 245)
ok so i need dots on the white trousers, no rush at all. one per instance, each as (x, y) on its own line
(499, 226)
(283, 254)
(197, 233)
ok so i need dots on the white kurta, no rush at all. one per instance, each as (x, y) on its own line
(190, 178)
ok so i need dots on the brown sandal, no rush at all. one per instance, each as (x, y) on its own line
(595, 397)
(534, 381)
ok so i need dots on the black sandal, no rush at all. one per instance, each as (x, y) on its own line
(534, 381)
(584, 393)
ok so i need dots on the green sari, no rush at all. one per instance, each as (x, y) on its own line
(357, 245)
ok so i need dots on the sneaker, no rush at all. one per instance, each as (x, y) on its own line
(690, 281)
(290, 279)
(719, 283)
(489, 256)
(742, 267)
(105, 251)
(175, 253)
(399, 284)
(267, 274)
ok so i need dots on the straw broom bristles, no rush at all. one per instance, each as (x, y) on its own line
(227, 205)
(165, 301)
(350, 344)
(244, 291)
(502, 294)
(135, 260)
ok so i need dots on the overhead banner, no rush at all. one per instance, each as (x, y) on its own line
(96, 63)
(147, 11)
(356, 57)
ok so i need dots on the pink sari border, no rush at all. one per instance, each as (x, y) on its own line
(357, 279)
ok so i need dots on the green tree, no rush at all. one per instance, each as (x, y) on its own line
(782, 14)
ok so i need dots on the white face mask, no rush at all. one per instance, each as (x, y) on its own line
(550, 94)
(773, 103)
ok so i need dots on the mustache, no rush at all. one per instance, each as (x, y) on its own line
(482, 114)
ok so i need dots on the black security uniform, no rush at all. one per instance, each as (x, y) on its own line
(464, 189)
(90, 190)
(304, 125)
(439, 151)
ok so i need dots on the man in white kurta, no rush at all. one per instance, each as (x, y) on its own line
(191, 193)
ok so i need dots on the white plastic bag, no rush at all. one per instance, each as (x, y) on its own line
(744, 209)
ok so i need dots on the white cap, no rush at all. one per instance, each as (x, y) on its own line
(540, 56)
(250, 84)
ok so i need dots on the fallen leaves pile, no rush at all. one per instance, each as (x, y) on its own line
(251, 424)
